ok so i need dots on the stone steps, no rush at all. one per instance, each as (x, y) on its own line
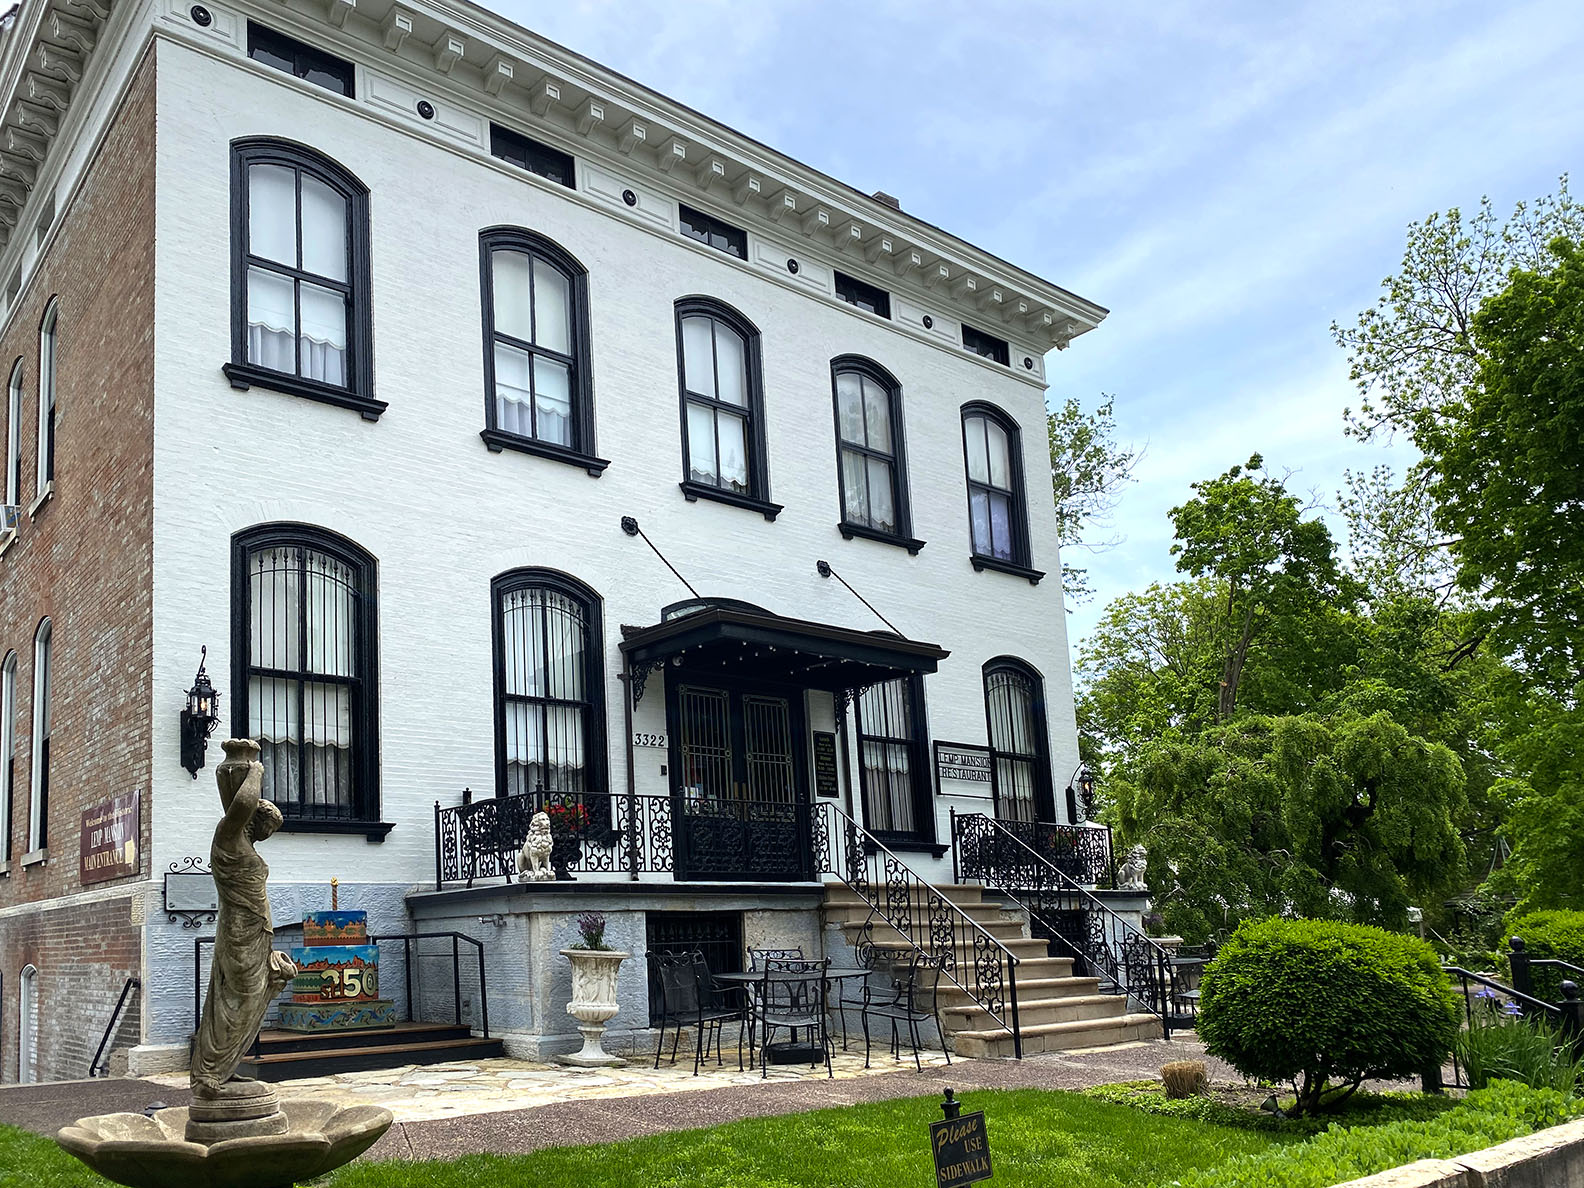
(1057, 1037)
(1069, 1008)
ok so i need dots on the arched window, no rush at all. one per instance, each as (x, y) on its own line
(723, 450)
(894, 759)
(38, 801)
(8, 675)
(539, 391)
(27, 1026)
(871, 463)
(300, 320)
(549, 685)
(13, 455)
(1019, 750)
(997, 513)
(304, 672)
(48, 343)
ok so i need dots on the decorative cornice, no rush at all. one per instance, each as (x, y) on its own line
(45, 54)
(615, 122)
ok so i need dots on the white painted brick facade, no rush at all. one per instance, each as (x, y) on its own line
(443, 515)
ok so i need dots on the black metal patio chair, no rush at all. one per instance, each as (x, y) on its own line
(903, 991)
(793, 997)
(689, 998)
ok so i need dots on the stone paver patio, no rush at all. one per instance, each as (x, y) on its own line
(415, 1093)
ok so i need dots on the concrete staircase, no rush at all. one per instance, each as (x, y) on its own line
(1056, 1011)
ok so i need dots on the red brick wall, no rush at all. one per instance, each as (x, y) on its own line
(84, 560)
(83, 953)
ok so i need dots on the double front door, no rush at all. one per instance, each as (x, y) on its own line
(740, 785)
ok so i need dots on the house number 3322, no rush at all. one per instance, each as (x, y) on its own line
(640, 739)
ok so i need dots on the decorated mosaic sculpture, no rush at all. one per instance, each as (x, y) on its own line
(236, 1133)
(337, 982)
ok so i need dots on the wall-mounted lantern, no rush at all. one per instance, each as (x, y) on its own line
(200, 718)
(1080, 791)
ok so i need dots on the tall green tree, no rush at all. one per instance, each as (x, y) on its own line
(1244, 529)
(1089, 470)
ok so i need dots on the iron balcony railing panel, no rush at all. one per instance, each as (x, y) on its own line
(1104, 944)
(616, 835)
(921, 916)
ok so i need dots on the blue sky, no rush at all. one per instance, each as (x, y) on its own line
(1226, 178)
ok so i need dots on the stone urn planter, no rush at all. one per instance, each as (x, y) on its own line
(593, 1002)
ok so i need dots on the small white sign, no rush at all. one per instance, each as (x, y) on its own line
(962, 770)
(641, 739)
(191, 891)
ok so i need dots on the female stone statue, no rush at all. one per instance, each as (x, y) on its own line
(246, 973)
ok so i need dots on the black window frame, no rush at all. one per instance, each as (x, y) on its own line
(1044, 794)
(1019, 565)
(986, 345)
(919, 772)
(596, 772)
(581, 385)
(533, 156)
(897, 459)
(365, 710)
(304, 59)
(862, 295)
(358, 393)
(702, 227)
(757, 497)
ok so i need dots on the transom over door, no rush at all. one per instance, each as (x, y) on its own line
(740, 801)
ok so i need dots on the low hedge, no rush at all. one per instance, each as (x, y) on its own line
(1558, 935)
(1326, 1005)
(1371, 1109)
(1503, 1111)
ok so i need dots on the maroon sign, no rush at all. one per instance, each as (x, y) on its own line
(109, 845)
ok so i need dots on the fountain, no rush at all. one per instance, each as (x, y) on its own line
(236, 1133)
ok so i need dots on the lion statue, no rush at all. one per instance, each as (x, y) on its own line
(1130, 875)
(533, 860)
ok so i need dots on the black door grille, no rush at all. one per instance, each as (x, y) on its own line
(718, 935)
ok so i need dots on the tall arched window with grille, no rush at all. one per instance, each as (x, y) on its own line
(304, 641)
(1019, 746)
(549, 685)
(894, 759)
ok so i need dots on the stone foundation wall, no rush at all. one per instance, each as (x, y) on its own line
(1552, 1158)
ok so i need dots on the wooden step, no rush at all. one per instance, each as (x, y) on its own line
(278, 1040)
(287, 1066)
(1057, 1037)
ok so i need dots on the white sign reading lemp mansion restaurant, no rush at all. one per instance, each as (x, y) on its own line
(488, 418)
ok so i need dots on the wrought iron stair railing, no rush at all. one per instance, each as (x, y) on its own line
(923, 916)
(1103, 943)
(101, 1059)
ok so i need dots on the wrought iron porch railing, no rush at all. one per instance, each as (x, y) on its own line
(1081, 852)
(1567, 1016)
(929, 922)
(615, 834)
(1075, 920)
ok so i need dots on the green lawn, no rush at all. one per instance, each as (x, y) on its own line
(1037, 1138)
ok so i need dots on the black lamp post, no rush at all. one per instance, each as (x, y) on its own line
(200, 717)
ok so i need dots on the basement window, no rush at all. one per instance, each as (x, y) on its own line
(865, 297)
(300, 60)
(707, 229)
(986, 345)
(516, 149)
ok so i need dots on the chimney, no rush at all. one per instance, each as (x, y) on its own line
(887, 199)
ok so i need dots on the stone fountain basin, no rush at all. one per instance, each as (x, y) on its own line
(151, 1151)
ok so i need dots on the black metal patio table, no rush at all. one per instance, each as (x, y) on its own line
(794, 1052)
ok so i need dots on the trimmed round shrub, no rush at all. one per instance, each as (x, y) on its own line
(1325, 1006)
(1556, 935)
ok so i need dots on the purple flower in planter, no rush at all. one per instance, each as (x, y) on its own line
(591, 926)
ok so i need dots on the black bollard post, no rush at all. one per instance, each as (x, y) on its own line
(951, 1107)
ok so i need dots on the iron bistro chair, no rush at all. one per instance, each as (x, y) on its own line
(792, 995)
(756, 958)
(903, 990)
(689, 998)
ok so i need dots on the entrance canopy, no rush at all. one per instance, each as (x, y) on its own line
(739, 639)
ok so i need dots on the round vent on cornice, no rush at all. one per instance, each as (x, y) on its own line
(201, 16)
